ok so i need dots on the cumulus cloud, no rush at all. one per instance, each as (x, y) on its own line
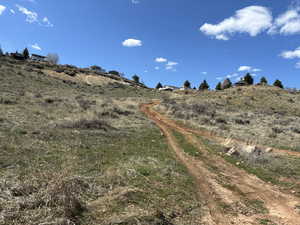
(252, 20)
(287, 23)
(36, 47)
(244, 68)
(256, 70)
(2, 9)
(160, 60)
(171, 66)
(294, 54)
(47, 22)
(31, 16)
(132, 43)
(291, 54)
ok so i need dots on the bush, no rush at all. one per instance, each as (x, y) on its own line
(94, 124)
(114, 72)
(187, 84)
(53, 58)
(136, 78)
(278, 83)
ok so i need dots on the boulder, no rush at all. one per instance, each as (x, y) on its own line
(269, 150)
(232, 151)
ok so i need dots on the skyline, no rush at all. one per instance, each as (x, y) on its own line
(163, 42)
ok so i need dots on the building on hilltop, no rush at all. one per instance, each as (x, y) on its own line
(17, 56)
(39, 58)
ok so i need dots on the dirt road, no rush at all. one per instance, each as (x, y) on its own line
(229, 195)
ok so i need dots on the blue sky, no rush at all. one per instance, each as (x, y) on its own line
(162, 40)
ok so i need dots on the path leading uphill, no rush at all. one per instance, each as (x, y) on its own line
(228, 194)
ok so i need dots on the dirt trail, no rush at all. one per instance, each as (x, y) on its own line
(230, 195)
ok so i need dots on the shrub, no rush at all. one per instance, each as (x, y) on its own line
(97, 69)
(94, 124)
(278, 83)
(187, 84)
(263, 81)
(114, 72)
(136, 78)
(53, 58)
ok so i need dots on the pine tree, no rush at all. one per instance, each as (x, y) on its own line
(263, 81)
(136, 78)
(219, 86)
(278, 83)
(248, 79)
(26, 53)
(159, 85)
(187, 84)
(204, 86)
(226, 84)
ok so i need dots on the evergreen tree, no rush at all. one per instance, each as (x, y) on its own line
(204, 86)
(26, 53)
(248, 79)
(263, 81)
(136, 78)
(1, 52)
(187, 84)
(278, 83)
(159, 85)
(226, 84)
(219, 86)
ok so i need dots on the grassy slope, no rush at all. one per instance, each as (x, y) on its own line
(84, 153)
(265, 115)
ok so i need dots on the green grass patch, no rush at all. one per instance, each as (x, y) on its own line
(185, 145)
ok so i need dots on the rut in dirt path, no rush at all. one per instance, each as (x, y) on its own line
(247, 188)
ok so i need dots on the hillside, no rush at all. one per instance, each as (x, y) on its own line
(80, 147)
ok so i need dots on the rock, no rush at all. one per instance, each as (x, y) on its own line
(232, 151)
(268, 150)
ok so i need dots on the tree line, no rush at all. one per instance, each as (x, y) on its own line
(247, 80)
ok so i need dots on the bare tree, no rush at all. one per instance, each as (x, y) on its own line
(53, 58)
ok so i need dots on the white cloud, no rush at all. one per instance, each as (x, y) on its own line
(252, 20)
(291, 54)
(12, 11)
(46, 22)
(170, 63)
(204, 73)
(2, 9)
(132, 43)
(135, 1)
(157, 67)
(245, 68)
(294, 54)
(222, 37)
(256, 70)
(170, 66)
(36, 47)
(160, 60)
(31, 16)
(287, 23)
